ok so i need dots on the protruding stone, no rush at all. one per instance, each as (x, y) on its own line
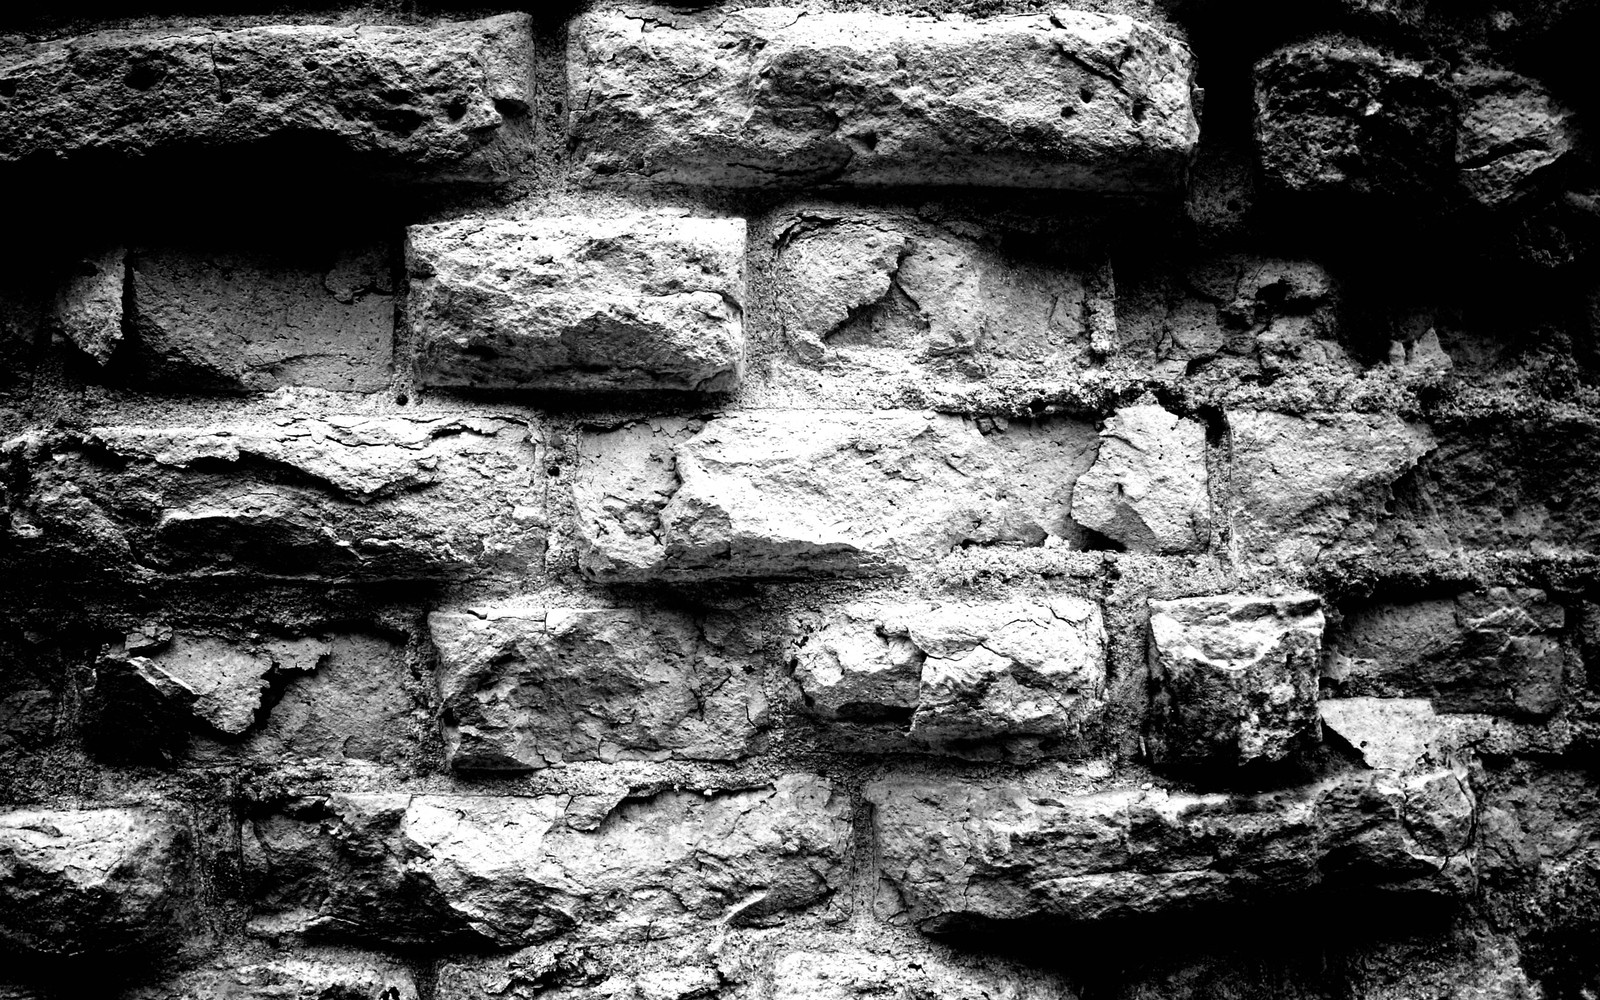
(776, 97)
(88, 305)
(77, 882)
(1349, 119)
(787, 493)
(1237, 676)
(1305, 483)
(506, 871)
(435, 101)
(1499, 651)
(344, 497)
(528, 687)
(963, 853)
(859, 665)
(1147, 487)
(1513, 135)
(221, 682)
(230, 322)
(579, 303)
(1390, 734)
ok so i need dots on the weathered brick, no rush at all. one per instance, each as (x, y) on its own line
(1498, 650)
(431, 101)
(1306, 484)
(963, 853)
(529, 687)
(345, 497)
(776, 97)
(1147, 487)
(1351, 119)
(1011, 678)
(631, 303)
(507, 871)
(817, 493)
(308, 974)
(92, 881)
(1237, 676)
(232, 321)
(1514, 135)
(88, 308)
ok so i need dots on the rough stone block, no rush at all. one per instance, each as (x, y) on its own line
(973, 679)
(1514, 135)
(88, 308)
(819, 493)
(1500, 651)
(340, 498)
(1147, 487)
(887, 295)
(230, 321)
(631, 303)
(506, 871)
(1350, 119)
(430, 101)
(1306, 484)
(308, 974)
(964, 854)
(770, 97)
(1237, 676)
(529, 687)
(1390, 734)
(77, 882)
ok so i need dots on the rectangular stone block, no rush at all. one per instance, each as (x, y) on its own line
(508, 871)
(1148, 487)
(1013, 679)
(92, 882)
(1237, 677)
(1501, 651)
(773, 97)
(578, 303)
(227, 321)
(966, 854)
(817, 493)
(443, 102)
(529, 687)
(338, 498)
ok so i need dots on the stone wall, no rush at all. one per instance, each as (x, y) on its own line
(968, 499)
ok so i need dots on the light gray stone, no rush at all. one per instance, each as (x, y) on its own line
(88, 305)
(531, 687)
(769, 97)
(1500, 651)
(231, 321)
(580, 303)
(308, 974)
(435, 101)
(820, 493)
(1237, 676)
(1513, 135)
(1305, 484)
(79, 882)
(1394, 734)
(506, 871)
(222, 682)
(341, 497)
(858, 664)
(963, 853)
(1147, 486)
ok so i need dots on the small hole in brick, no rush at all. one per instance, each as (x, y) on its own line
(402, 399)
(457, 108)
(554, 472)
(1067, 111)
(144, 75)
(1139, 108)
(1086, 93)
(8, 88)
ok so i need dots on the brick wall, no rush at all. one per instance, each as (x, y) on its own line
(857, 499)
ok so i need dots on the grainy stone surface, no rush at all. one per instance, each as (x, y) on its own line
(573, 303)
(232, 321)
(344, 497)
(1147, 487)
(88, 308)
(1499, 650)
(86, 882)
(963, 853)
(1237, 676)
(1514, 135)
(530, 687)
(975, 680)
(1335, 118)
(818, 494)
(313, 974)
(772, 97)
(434, 101)
(506, 870)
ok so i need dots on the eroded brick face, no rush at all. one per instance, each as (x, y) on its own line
(841, 499)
